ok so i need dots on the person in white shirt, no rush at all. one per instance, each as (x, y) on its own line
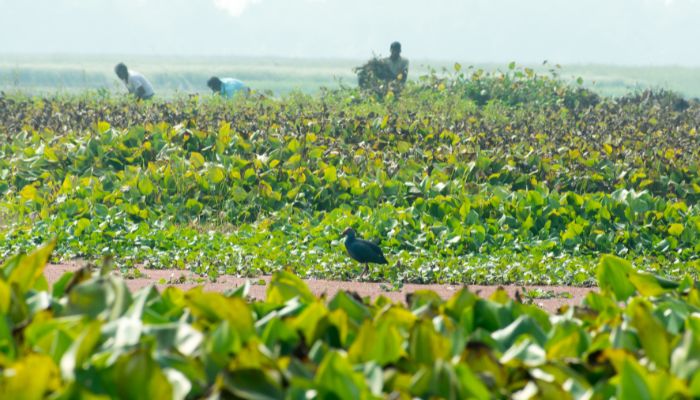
(136, 83)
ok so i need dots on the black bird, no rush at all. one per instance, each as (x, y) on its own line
(363, 251)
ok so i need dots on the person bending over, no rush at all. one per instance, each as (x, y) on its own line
(226, 87)
(135, 82)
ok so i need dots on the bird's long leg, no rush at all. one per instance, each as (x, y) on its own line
(364, 271)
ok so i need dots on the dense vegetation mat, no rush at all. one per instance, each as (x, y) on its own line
(471, 178)
(88, 336)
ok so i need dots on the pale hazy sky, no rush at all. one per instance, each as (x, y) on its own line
(630, 32)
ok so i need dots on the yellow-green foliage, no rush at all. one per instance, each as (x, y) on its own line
(89, 337)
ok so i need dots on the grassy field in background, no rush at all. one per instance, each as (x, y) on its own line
(173, 75)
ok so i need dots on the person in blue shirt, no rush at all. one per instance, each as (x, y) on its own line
(227, 87)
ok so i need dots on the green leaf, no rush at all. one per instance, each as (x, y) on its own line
(80, 226)
(26, 270)
(29, 193)
(523, 325)
(216, 174)
(614, 277)
(80, 350)
(685, 360)
(196, 159)
(215, 307)
(31, 377)
(566, 340)
(403, 147)
(145, 378)
(675, 229)
(280, 335)
(354, 309)
(253, 384)
(472, 385)
(179, 383)
(145, 186)
(573, 230)
(426, 345)
(294, 160)
(307, 321)
(381, 343)
(633, 383)
(285, 286)
(649, 285)
(222, 343)
(336, 376)
(330, 174)
(102, 127)
(526, 352)
(652, 334)
(5, 297)
(637, 382)
(491, 316)
(99, 297)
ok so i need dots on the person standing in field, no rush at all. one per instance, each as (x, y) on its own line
(227, 87)
(136, 83)
(397, 65)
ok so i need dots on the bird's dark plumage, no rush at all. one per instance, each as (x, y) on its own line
(363, 251)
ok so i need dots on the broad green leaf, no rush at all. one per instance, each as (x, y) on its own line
(32, 377)
(472, 385)
(103, 127)
(459, 302)
(285, 286)
(614, 277)
(80, 226)
(403, 147)
(80, 350)
(145, 378)
(354, 309)
(336, 376)
(526, 352)
(106, 297)
(636, 382)
(279, 336)
(222, 342)
(26, 270)
(649, 285)
(215, 307)
(330, 174)
(307, 321)
(382, 344)
(52, 337)
(179, 383)
(5, 297)
(685, 359)
(566, 340)
(523, 325)
(145, 186)
(490, 315)
(444, 382)
(216, 174)
(253, 384)
(675, 229)
(29, 193)
(652, 335)
(426, 345)
(196, 159)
